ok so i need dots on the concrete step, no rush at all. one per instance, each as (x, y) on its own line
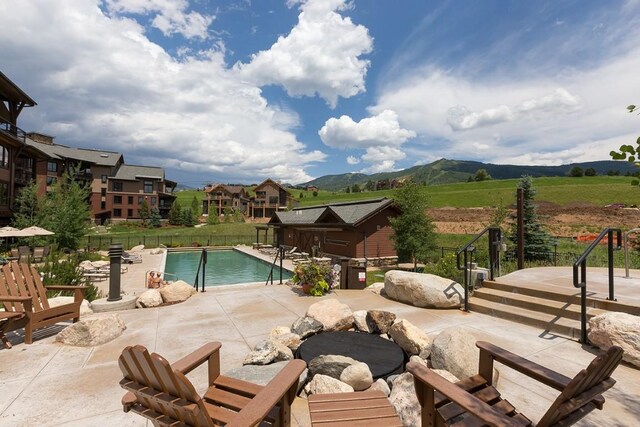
(548, 322)
(533, 303)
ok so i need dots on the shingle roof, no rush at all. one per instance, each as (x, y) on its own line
(133, 172)
(55, 151)
(350, 213)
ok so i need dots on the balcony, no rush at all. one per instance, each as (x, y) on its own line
(13, 130)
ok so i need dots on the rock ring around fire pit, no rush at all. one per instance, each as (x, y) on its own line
(383, 357)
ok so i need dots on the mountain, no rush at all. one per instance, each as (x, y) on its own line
(446, 171)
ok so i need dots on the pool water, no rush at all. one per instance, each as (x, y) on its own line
(224, 267)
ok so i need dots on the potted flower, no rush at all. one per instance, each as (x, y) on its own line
(314, 278)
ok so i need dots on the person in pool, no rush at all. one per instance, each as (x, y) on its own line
(155, 280)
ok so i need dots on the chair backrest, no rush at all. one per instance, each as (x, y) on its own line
(584, 391)
(162, 394)
(20, 279)
(24, 251)
(38, 252)
(15, 253)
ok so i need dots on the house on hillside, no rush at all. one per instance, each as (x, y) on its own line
(270, 197)
(353, 229)
(117, 189)
(311, 188)
(217, 197)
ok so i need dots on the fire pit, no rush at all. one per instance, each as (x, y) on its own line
(383, 357)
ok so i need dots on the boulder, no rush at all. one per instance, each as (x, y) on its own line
(380, 385)
(380, 321)
(454, 350)
(423, 290)
(376, 288)
(446, 375)
(85, 307)
(306, 326)
(409, 337)
(360, 321)
(137, 248)
(95, 330)
(156, 251)
(323, 384)
(333, 315)
(149, 298)
(357, 376)
(268, 351)
(177, 291)
(331, 365)
(619, 329)
(279, 330)
(403, 398)
(290, 340)
(261, 375)
(419, 360)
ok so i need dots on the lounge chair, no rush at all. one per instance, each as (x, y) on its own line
(24, 253)
(161, 392)
(131, 257)
(475, 401)
(38, 253)
(22, 292)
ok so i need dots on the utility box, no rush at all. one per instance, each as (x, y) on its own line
(357, 277)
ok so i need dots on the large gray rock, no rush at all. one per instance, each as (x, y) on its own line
(380, 321)
(403, 398)
(261, 375)
(177, 291)
(323, 384)
(380, 385)
(409, 337)
(333, 315)
(331, 365)
(306, 326)
(376, 288)
(268, 351)
(357, 376)
(360, 321)
(290, 340)
(85, 307)
(619, 329)
(446, 375)
(423, 290)
(92, 331)
(454, 350)
(149, 298)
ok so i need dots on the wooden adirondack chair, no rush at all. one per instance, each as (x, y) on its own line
(22, 293)
(161, 392)
(475, 402)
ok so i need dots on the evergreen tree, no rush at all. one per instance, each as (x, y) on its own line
(187, 218)
(537, 242)
(414, 232)
(576, 172)
(348, 190)
(144, 212)
(590, 172)
(369, 186)
(481, 175)
(195, 209)
(27, 207)
(213, 219)
(355, 188)
(154, 218)
(315, 194)
(175, 214)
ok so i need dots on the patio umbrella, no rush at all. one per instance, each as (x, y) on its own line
(13, 232)
(34, 230)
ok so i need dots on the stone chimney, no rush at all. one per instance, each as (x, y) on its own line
(40, 137)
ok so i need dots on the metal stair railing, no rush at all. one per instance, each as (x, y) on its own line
(201, 265)
(580, 273)
(280, 256)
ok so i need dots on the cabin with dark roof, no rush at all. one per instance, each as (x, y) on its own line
(359, 229)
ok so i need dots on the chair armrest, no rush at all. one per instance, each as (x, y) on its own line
(128, 400)
(14, 299)
(467, 401)
(263, 402)
(197, 358)
(64, 287)
(524, 366)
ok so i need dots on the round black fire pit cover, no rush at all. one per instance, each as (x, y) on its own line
(383, 357)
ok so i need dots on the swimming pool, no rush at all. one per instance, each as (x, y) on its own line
(224, 267)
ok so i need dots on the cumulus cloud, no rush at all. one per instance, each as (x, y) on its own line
(111, 88)
(381, 129)
(170, 17)
(321, 55)
(352, 160)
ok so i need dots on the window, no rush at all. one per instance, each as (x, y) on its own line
(273, 200)
(103, 192)
(4, 194)
(104, 179)
(130, 200)
(117, 213)
(129, 213)
(4, 156)
(153, 201)
(140, 199)
(116, 186)
(51, 180)
(52, 167)
(148, 186)
(117, 200)
(103, 205)
(261, 194)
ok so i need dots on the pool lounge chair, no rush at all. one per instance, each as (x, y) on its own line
(131, 257)
(161, 392)
(475, 401)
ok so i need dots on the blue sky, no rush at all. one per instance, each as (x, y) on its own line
(237, 91)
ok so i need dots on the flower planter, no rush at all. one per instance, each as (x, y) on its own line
(306, 288)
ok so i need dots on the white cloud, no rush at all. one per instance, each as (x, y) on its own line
(381, 129)
(353, 160)
(321, 54)
(384, 166)
(111, 88)
(171, 16)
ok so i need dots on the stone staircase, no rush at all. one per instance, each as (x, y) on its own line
(553, 309)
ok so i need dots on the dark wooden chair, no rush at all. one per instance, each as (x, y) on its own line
(161, 392)
(474, 401)
(22, 293)
(364, 408)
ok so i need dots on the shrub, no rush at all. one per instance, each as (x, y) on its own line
(61, 270)
(445, 267)
(319, 276)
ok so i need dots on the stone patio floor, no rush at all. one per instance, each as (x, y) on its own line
(49, 384)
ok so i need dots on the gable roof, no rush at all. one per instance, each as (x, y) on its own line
(11, 92)
(349, 213)
(62, 152)
(233, 189)
(267, 181)
(135, 172)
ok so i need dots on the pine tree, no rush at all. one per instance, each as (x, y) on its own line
(27, 207)
(187, 218)
(213, 219)
(175, 214)
(195, 209)
(537, 242)
(154, 218)
(144, 212)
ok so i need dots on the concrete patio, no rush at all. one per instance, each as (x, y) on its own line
(49, 384)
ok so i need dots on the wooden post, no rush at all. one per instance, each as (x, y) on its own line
(520, 226)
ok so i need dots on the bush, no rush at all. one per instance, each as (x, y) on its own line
(319, 276)
(62, 270)
(445, 267)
